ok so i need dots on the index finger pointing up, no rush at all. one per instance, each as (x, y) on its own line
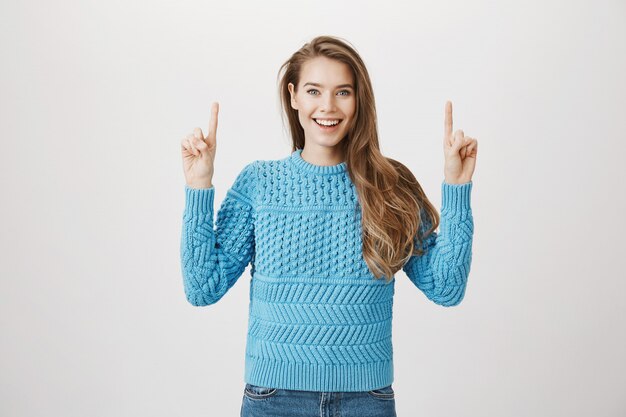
(215, 106)
(447, 128)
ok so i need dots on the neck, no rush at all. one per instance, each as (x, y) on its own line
(323, 156)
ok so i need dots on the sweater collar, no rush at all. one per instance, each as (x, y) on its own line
(299, 162)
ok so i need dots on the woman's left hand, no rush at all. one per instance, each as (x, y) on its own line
(460, 152)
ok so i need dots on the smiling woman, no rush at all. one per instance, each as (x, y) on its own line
(325, 106)
(325, 230)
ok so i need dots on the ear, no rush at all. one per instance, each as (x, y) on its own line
(294, 103)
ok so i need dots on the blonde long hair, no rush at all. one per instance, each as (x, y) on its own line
(396, 214)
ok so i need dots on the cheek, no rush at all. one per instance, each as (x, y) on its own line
(303, 115)
(304, 118)
(305, 110)
(350, 108)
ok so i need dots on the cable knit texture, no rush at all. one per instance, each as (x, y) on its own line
(318, 320)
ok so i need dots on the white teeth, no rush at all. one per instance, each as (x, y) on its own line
(327, 122)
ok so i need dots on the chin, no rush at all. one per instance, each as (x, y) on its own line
(328, 142)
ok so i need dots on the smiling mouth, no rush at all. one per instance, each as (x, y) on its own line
(328, 123)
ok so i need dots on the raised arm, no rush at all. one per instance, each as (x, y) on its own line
(213, 259)
(441, 272)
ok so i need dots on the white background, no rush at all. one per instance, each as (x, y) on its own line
(96, 96)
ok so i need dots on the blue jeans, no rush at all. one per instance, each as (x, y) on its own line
(273, 402)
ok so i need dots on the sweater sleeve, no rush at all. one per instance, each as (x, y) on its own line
(213, 259)
(441, 272)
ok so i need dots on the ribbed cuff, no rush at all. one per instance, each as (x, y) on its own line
(199, 200)
(456, 197)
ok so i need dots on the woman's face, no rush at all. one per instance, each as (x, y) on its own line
(325, 94)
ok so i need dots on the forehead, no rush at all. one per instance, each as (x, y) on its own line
(326, 71)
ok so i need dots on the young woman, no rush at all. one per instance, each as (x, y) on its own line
(325, 229)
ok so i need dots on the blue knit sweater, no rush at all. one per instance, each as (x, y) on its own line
(318, 320)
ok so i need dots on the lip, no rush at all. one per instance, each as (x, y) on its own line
(327, 128)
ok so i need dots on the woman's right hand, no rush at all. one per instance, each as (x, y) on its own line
(198, 153)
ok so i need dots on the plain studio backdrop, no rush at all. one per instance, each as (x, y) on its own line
(96, 97)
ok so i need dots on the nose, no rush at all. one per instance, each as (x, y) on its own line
(328, 103)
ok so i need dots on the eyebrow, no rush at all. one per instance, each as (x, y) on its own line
(319, 85)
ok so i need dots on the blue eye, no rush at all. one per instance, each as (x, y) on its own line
(342, 91)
